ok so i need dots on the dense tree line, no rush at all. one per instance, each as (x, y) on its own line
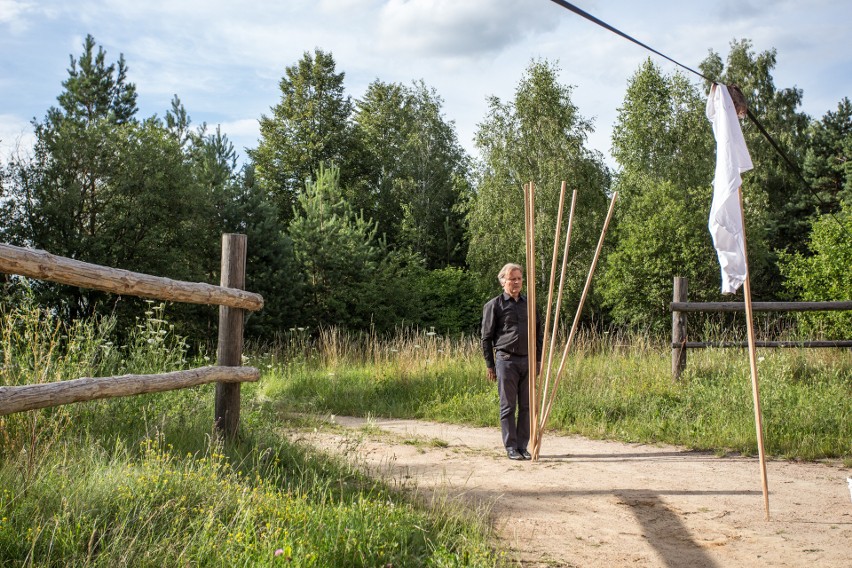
(369, 214)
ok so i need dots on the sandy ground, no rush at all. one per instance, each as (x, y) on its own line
(596, 503)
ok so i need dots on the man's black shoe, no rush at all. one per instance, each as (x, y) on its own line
(525, 453)
(514, 454)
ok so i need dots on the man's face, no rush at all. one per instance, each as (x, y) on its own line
(513, 283)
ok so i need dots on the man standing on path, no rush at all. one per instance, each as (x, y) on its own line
(504, 346)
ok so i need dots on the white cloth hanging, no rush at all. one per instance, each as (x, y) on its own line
(726, 216)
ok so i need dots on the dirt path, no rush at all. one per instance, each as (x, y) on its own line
(591, 503)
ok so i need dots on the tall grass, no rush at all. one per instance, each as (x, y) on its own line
(614, 385)
(144, 481)
(412, 374)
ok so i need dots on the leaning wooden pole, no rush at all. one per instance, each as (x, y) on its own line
(752, 359)
(576, 323)
(551, 284)
(230, 345)
(548, 365)
(534, 403)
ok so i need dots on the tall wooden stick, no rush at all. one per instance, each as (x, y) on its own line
(549, 363)
(531, 315)
(752, 359)
(576, 323)
(553, 272)
(548, 309)
(528, 263)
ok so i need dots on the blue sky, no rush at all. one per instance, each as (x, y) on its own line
(224, 59)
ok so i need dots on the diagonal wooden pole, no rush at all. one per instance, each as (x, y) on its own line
(548, 364)
(545, 352)
(576, 323)
(752, 359)
(553, 271)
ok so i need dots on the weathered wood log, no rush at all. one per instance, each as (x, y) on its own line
(230, 345)
(40, 264)
(30, 397)
(760, 306)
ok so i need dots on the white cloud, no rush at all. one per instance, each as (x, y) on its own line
(16, 136)
(225, 59)
(459, 29)
(12, 12)
(244, 127)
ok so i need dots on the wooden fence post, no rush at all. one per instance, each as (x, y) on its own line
(230, 347)
(679, 329)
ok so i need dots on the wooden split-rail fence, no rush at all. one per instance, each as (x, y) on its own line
(680, 307)
(230, 296)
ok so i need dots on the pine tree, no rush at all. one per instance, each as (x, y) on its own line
(337, 255)
(828, 162)
(416, 182)
(307, 130)
(105, 188)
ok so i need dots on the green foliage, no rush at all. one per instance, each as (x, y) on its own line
(793, 207)
(308, 129)
(140, 481)
(416, 181)
(824, 274)
(664, 145)
(666, 150)
(271, 267)
(827, 164)
(105, 188)
(539, 136)
(95, 90)
(661, 232)
(662, 131)
(338, 254)
(450, 301)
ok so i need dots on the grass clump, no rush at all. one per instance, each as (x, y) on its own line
(145, 481)
(613, 386)
(157, 508)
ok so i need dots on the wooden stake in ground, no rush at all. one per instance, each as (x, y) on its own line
(547, 360)
(752, 359)
(529, 225)
(552, 395)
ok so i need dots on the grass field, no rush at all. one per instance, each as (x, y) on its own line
(612, 387)
(145, 481)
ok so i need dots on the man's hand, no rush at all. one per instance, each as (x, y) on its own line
(491, 373)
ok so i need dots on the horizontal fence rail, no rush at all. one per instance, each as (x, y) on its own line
(31, 397)
(680, 307)
(760, 306)
(782, 344)
(42, 265)
(229, 296)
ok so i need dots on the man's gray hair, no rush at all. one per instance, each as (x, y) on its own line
(506, 270)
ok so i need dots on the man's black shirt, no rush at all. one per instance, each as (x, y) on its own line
(504, 328)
